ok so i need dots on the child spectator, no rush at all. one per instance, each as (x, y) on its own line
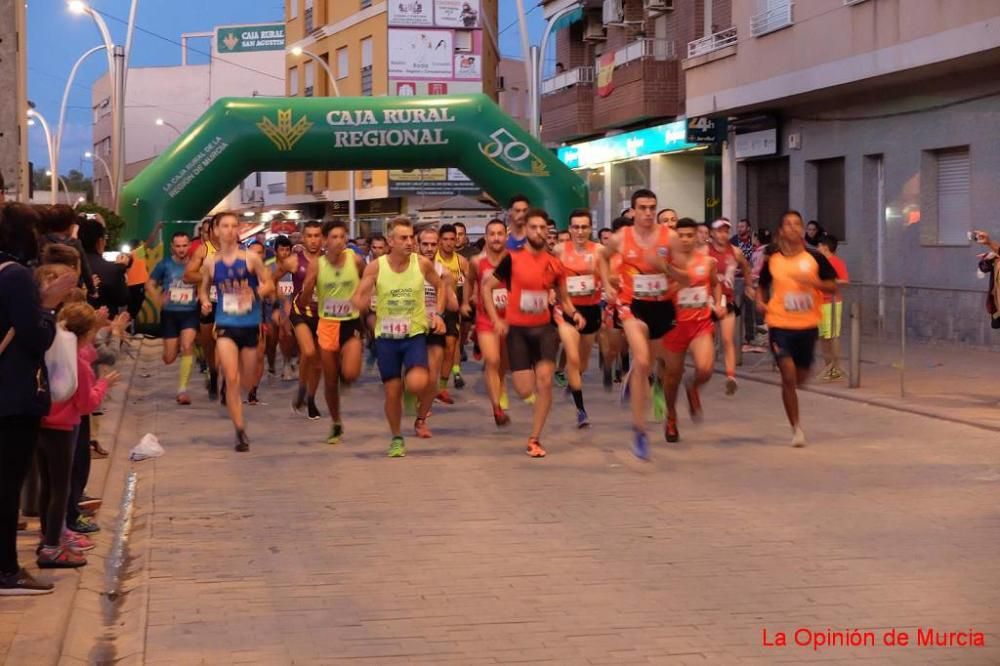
(833, 306)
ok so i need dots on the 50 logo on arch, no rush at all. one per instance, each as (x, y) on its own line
(506, 152)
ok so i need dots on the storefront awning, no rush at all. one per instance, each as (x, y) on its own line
(565, 21)
(668, 138)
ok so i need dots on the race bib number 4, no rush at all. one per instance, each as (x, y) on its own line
(181, 295)
(395, 328)
(237, 304)
(534, 302)
(335, 308)
(581, 285)
(798, 302)
(500, 299)
(649, 286)
(692, 297)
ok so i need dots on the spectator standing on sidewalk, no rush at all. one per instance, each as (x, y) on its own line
(833, 307)
(989, 263)
(137, 273)
(112, 291)
(27, 322)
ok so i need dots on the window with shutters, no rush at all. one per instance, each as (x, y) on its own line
(293, 81)
(309, 179)
(310, 78)
(365, 4)
(367, 179)
(293, 9)
(952, 188)
(366, 66)
(307, 16)
(343, 63)
(830, 196)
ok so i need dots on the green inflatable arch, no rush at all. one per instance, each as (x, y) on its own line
(238, 136)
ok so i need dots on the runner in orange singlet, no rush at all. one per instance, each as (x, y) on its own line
(728, 258)
(579, 257)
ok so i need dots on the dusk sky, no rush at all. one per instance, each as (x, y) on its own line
(56, 38)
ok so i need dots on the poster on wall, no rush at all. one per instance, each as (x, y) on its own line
(431, 182)
(468, 66)
(457, 13)
(424, 53)
(411, 12)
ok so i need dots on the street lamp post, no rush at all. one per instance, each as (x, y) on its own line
(33, 116)
(62, 107)
(351, 191)
(535, 74)
(160, 122)
(107, 171)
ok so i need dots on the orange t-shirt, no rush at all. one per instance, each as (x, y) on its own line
(138, 272)
(694, 302)
(583, 280)
(530, 276)
(640, 280)
(790, 304)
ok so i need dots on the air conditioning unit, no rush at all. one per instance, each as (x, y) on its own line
(594, 30)
(659, 5)
(613, 11)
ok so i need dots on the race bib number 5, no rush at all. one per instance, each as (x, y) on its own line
(798, 302)
(649, 286)
(534, 302)
(581, 285)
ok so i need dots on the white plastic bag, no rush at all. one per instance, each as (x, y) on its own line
(60, 359)
(148, 447)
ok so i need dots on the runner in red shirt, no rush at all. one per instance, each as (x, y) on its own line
(492, 345)
(695, 304)
(531, 273)
(728, 259)
(579, 258)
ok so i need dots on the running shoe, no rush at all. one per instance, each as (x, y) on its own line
(445, 397)
(76, 541)
(202, 366)
(288, 374)
(731, 385)
(535, 449)
(421, 429)
(242, 441)
(300, 400)
(22, 584)
(560, 378)
(459, 381)
(504, 400)
(397, 448)
(581, 419)
(336, 432)
(798, 438)
(313, 410)
(59, 557)
(694, 402)
(659, 401)
(670, 432)
(465, 357)
(836, 374)
(608, 380)
(213, 386)
(530, 400)
(252, 397)
(84, 525)
(183, 398)
(500, 417)
(89, 504)
(640, 445)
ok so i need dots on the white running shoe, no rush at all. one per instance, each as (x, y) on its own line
(731, 385)
(799, 438)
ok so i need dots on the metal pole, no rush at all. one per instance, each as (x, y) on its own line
(738, 332)
(525, 51)
(854, 381)
(65, 100)
(118, 125)
(54, 177)
(533, 84)
(902, 341)
(129, 31)
(536, 91)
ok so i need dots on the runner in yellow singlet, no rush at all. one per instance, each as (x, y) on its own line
(334, 279)
(458, 266)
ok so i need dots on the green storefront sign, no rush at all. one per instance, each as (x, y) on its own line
(247, 38)
(238, 136)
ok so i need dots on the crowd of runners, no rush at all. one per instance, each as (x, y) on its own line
(650, 292)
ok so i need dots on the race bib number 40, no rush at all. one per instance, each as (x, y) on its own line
(581, 285)
(500, 299)
(649, 286)
(395, 328)
(798, 302)
(534, 302)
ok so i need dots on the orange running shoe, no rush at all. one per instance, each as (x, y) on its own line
(670, 431)
(535, 449)
(445, 397)
(500, 417)
(421, 429)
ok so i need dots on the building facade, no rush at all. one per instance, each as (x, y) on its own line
(614, 98)
(883, 127)
(161, 102)
(14, 103)
(433, 47)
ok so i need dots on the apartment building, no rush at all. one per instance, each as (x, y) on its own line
(161, 102)
(14, 105)
(877, 118)
(430, 47)
(613, 102)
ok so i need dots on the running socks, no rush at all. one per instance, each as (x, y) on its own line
(578, 398)
(187, 362)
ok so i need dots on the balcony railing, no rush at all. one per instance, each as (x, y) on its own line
(714, 42)
(567, 79)
(778, 15)
(647, 47)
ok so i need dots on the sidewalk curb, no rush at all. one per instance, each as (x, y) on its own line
(88, 635)
(872, 402)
